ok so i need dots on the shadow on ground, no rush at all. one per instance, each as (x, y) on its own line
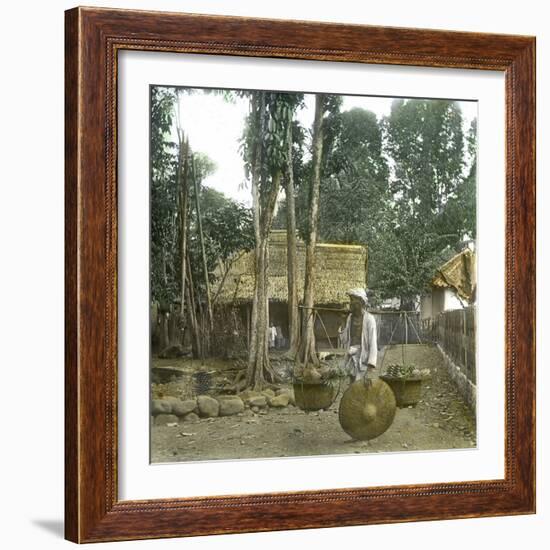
(55, 527)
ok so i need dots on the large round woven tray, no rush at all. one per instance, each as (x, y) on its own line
(367, 411)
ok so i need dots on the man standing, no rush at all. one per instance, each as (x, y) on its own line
(358, 337)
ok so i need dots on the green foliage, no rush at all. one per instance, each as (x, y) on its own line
(331, 111)
(403, 259)
(355, 192)
(163, 194)
(426, 142)
(433, 203)
(405, 186)
(300, 169)
(227, 225)
(460, 212)
(227, 230)
(266, 131)
(203, 165)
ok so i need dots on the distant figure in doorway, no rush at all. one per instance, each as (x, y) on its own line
(358, 338)
(272, 336)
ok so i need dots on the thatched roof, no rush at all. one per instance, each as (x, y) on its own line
(338, 268)
(459, 273)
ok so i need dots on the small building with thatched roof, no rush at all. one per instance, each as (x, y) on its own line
(453, 286)
(338, 268)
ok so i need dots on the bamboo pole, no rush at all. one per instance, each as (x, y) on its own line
(203, 250)
(184, 194)
(308, 352)
(192, 312)
(292, 267)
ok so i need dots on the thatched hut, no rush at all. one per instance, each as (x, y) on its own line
(453, 286)
(338, 268)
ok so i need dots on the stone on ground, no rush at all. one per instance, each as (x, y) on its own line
(181, 408)
(259, 401)
(230, 405)
(268, 393)
(171, 400)
(290, 394)
(190, 417)
(160, 406)
(208, 406)
(246, 394)
(279, 400)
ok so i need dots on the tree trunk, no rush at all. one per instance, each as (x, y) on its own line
(308, 353)
(164, 339)
(163, 267)
(259, 365)
(263, 213)
(292, 268)
(174, 334)
(196, 342)
(184, 209)
(256, 103)
(203, 251)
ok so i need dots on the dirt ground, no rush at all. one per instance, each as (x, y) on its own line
(440, 420)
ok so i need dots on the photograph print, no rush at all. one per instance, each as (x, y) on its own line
(312, 274)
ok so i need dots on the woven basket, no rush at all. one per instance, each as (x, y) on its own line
(407, 391)
(314, 397)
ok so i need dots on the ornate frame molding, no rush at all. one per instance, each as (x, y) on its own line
(93, 38)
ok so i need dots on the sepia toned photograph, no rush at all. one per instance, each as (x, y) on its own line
(312, 274)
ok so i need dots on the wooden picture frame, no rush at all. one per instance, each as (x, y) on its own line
(93, 511)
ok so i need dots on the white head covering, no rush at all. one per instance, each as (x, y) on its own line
(359, 293)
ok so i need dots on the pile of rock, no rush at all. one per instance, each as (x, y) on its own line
(171, 410)
(258, 401)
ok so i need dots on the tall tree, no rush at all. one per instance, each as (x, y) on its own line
(460, 212)
(185, 257)
(355, 191)
(196, 185)
(164, 193)
(197, 273)
(292, 255)
(307, 345)
(293, 132)
(265, 154)
(425, 141)
(356, 198)
(183, 185)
